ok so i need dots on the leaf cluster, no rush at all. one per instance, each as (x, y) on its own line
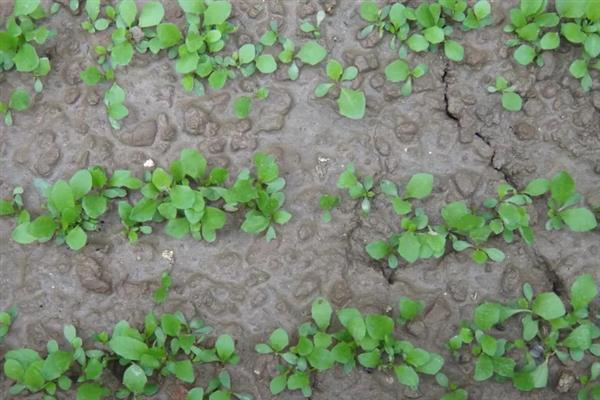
(537, 28)
(549, 329)
(167, 346)
(511, 100)
(354, 340)
(351, 103)
(188, 197)
(426, 27)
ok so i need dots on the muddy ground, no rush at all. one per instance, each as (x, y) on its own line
(242, 285)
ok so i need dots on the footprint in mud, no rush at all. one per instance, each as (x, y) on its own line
(41, 155)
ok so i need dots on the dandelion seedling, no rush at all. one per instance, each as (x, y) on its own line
(511, 100)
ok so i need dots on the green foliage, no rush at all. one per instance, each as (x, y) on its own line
(167, 346)
(6, 319)
(199, 50)
(469, 229)
(162, 292)
(511, 100)
(400, 71)
(189, 198)
(537, 28)
(547, 330)
(311, 28)
(19, 36)
(426, 27)
(364, 341)
(351, 103)
(328, 202)
(358, 188)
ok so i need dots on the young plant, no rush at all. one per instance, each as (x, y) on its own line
(364, 340)
(561, 205)
(376, 17)
(162, 292)
(400, 71)
(417, 239)
(308, 27)
(537, 30)
(548, 330)
(357, 188)
(328, 202)
(6, 319)
(511, 100)
(74, 207)
(19, 101)
(351, 103)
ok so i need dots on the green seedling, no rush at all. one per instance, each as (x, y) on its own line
(548, 330)
(308, 27)
(6, 319)
(73, 208)
(400, 71)
(242, 107)
(19, 101)
(537, 29)
(433, 32)
(591, 386)
(376, 17)
(162, 292)
(328, 202)
(351, 103)
(417, 239)
(357, 188)
(511, 100)
(561, 205)
(18, 38)
(14, 205)
(263, 197)
(365, 341)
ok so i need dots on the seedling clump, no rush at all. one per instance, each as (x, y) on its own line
(511, 100)
(351, 103)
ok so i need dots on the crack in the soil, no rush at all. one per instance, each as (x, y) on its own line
(446, 101)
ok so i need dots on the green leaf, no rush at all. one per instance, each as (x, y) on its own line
(511, 101)
(409, 247)
(537, 187)
(217, 13)
(406, 375)
(242, 106)
(487, 315)
(187, 63)
(579, 219)
(81, 183)
(170, 324)
(370, 359)
(225, 347)
(378, 250)
(409, 309)
(322, 89)
(76, 239)
(91, 76)
(56, 364)
(524, 54)
(279, 339)
(397, 71)
(578, 68)
(127, 347)
(417, 42)
(151, 15)
(168, 34)
(550, 41)
(379, 326)
(562, 187)
(454, 50)
(368, 11)
(278, 384)
(19, 100)
(352, 103)
(161, 179)
(321, 313)
(25, 7)
(177, 228)
(184, 371)
(127, 10)
(583, 291)
(42, 227)
(321, 359)
(144, 210)
(195, 393)
(26, 59)
(266, 64)
(484, 368)
(311, 53)
(135, 379)
(247, 53)
(579, 339)
(334, 70)
(91, 391)
(121, 53)
(434, 34)
(193, 163)
(548, 306)
(419, 186)
(255, 223)
(494, 254)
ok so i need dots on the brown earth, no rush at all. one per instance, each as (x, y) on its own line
(242, 285)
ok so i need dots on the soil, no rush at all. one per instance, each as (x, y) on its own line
(450, 126)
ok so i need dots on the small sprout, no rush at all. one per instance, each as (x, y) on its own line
(161, 293)
(351, 103)
(328, 202)
(511, 100)
(308, 27)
